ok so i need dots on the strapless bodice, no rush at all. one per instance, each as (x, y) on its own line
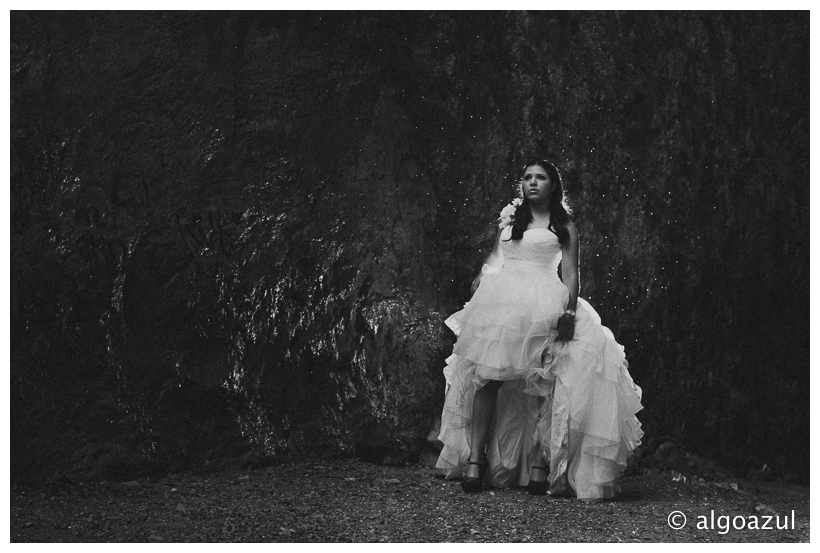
(538, 246)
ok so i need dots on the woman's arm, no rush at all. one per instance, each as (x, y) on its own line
(569, 274)
(494, 260)
(569, 266)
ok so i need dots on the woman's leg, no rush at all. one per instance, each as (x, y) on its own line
(539, 471)
(483, 413)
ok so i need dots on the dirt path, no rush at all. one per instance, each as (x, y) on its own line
(351, 501)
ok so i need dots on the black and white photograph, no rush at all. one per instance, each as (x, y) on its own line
(338, 274)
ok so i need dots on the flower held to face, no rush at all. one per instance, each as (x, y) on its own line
(507, 215)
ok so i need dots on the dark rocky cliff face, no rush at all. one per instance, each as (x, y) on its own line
(235, 237)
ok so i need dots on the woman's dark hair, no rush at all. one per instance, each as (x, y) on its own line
(559, 210)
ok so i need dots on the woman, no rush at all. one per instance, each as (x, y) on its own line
(538, 392)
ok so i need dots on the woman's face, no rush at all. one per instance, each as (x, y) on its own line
(536, 184)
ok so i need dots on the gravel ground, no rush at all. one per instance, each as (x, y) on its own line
(352, 501)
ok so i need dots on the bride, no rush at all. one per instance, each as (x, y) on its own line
(538, 393)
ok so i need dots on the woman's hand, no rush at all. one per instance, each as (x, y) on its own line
(566, 327)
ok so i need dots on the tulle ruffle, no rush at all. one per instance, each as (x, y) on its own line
(508, 328)
(587, 425)
(512, 445)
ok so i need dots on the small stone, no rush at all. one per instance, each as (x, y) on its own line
(764, 509)
(173, 490)
(727, 485)
(181, 508)
(393, 481)
(29, 524)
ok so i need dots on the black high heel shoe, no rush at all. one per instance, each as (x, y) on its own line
(537, 487)
(472, 484)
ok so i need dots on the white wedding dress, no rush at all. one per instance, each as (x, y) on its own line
(572, 402)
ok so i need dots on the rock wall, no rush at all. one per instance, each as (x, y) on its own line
(235, 236)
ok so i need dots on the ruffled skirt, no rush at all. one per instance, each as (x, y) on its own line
(571, 403)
